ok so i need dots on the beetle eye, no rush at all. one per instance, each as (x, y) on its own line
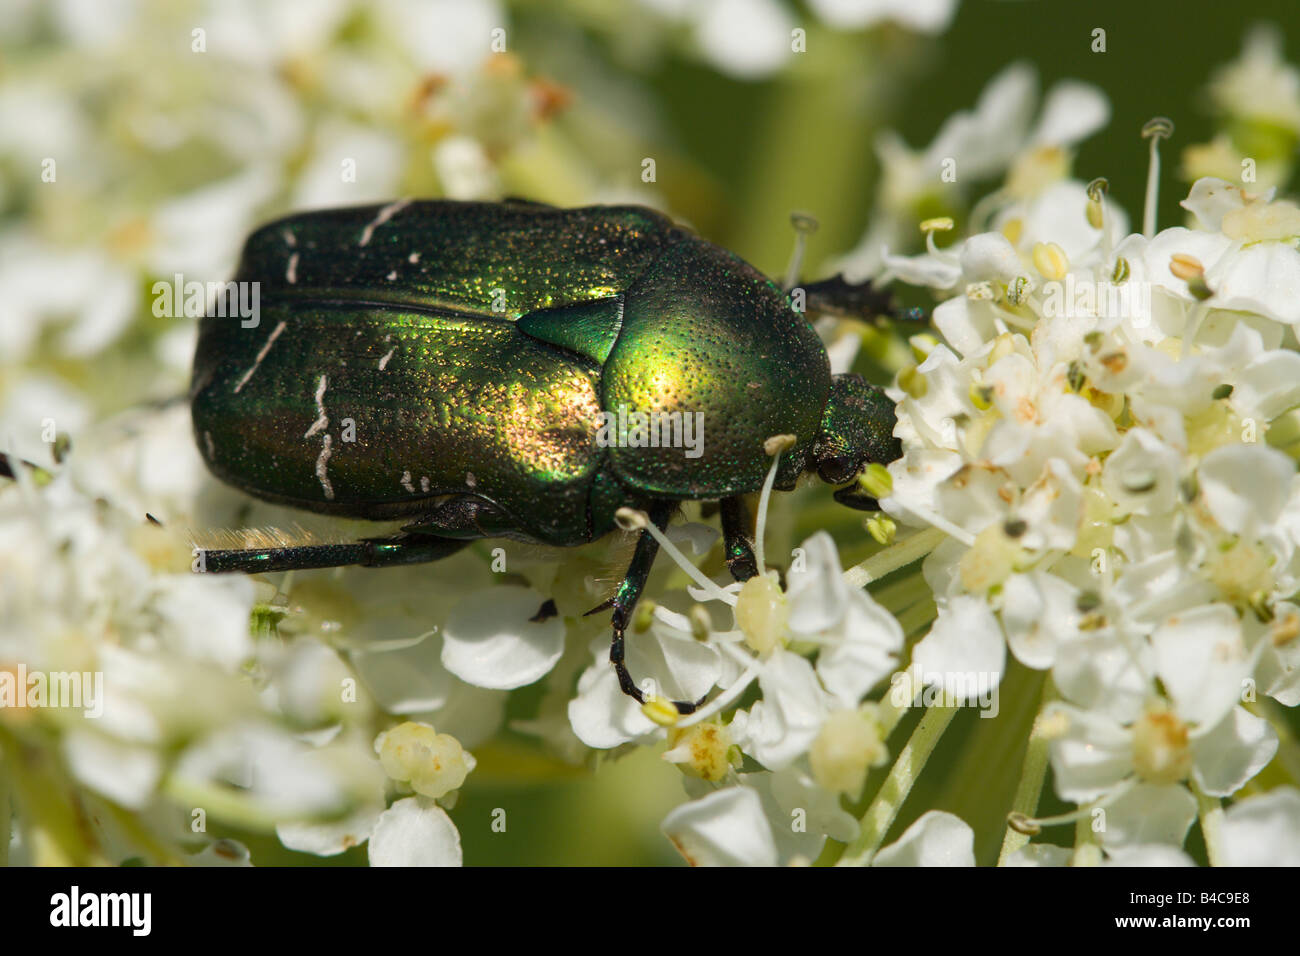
(836, 470)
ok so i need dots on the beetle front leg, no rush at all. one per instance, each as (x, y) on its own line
(737, 540)
(624, 603)
(857, 300)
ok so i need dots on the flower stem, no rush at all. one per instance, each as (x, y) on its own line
(893, 792)
(1211, 813)
(899, 555)
(1086, 850)
(1153, 190)
(1032, 774)
(55, 826)
(6, 820)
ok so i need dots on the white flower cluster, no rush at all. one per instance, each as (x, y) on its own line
(1099, 443)
(1096, 438)
(181, 717)
(1098, 470)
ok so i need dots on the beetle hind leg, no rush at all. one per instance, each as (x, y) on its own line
(464, 516)
(624, 603)
(368, 552)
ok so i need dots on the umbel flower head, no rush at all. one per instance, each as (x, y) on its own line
(1089, 544)
(1097, 467)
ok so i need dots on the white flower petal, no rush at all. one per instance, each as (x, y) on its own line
(924, 16)
(1101, 672)
(784, 723)
(1263, 830)
(1245, 486)
(1263, 277)
(937, 838)
(406, 680)
(865, 653)
(1211, 199)
(330, 839)
(1090, 755)
(965, 324)
(1236, 749)
(923, 270)
(1202, 661)
(208, 615)
(747, 39)
(793, 789)
(603, 716)
(964, 652)
(415, 832)
(1148, 813)
(124, 772)
(1141, 475)
(1147, 855)
(1071, 112)
(489, 640)
(1038, 613)
(726, 828)
(1040, 854)
(221, 853)
(815, 593)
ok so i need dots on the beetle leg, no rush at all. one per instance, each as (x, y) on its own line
(464, 516)
(736, 538)
(369, 552)
(859, 300)
(10, 465)
(624, 603)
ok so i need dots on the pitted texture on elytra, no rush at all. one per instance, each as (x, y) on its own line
(458, 255)
(462, 405)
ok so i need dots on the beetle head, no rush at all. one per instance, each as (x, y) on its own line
(857, 429)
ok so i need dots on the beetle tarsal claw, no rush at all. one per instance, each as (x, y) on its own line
(853, 496)
(604, 605)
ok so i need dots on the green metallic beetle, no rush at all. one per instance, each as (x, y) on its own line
(458, 365)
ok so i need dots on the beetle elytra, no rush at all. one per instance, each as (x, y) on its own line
(480, 352)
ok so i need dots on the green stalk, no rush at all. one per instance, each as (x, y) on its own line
(898, 555)
(893, 792)
(1211, 813)
(1032, 774)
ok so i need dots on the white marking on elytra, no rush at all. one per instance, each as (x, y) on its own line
(413, 258)
(383, 362)
(322, 421)
(207, 440)
(322, 462)
(275, 334)
(470, 479)
(406, 482)
(291, 273)
(424, 483)
(385, 214)
(392, 275)
(290, 239)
